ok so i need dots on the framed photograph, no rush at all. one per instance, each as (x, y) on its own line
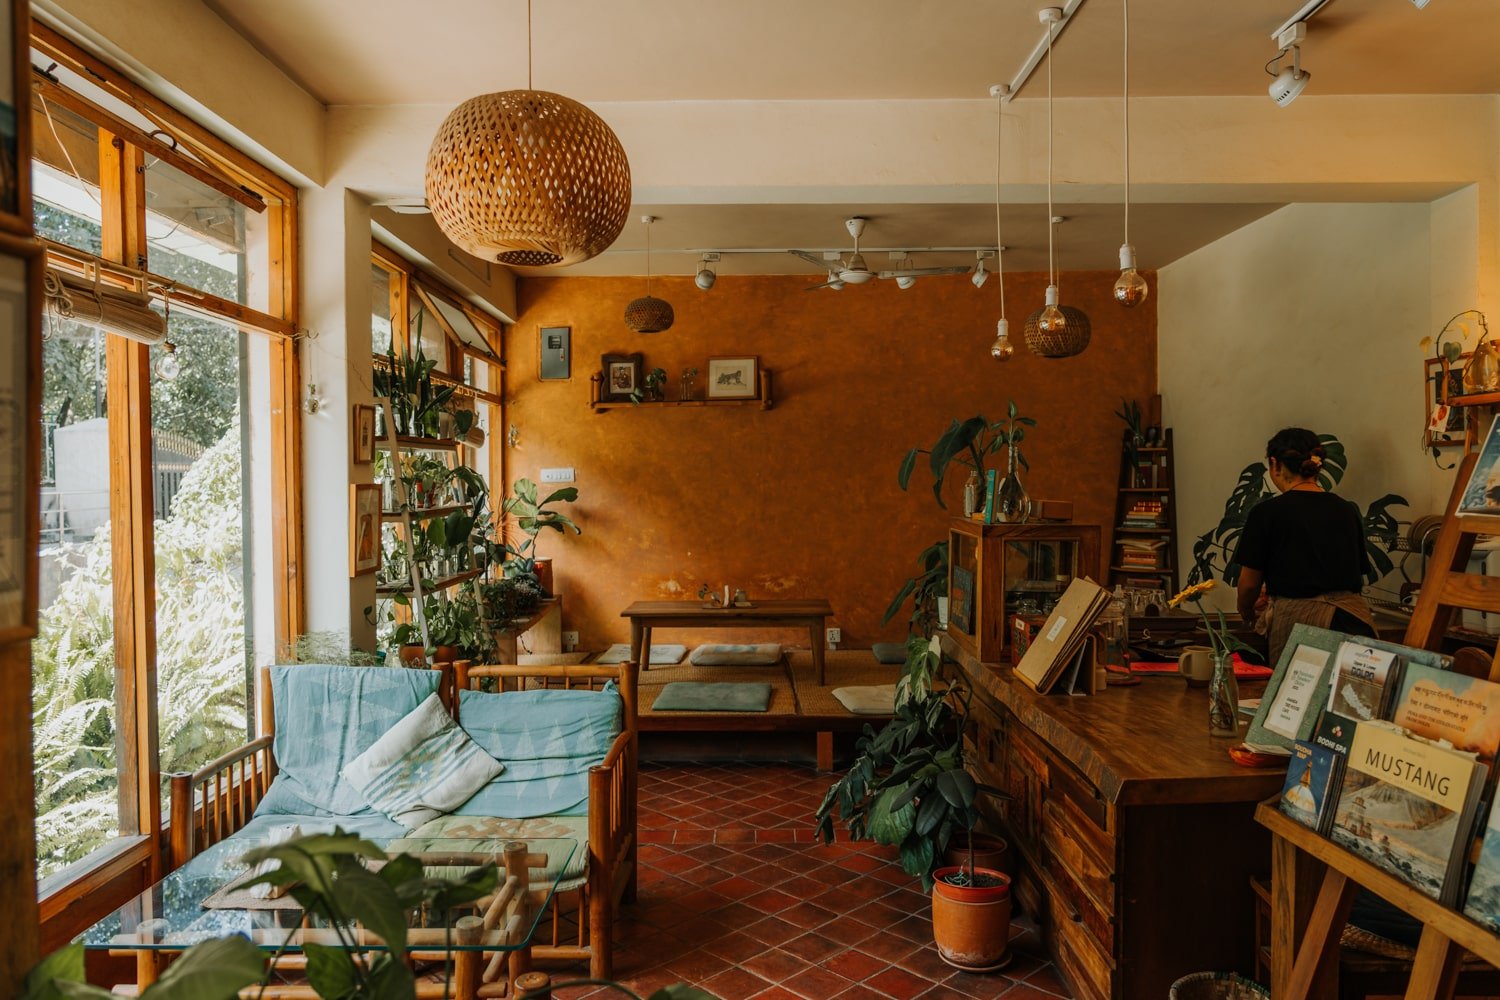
(15, 122)
(364, 434)
(1446, 429)
(734, 378)
(21, 266)
(364, 529)
(622, 376)
(555, 344)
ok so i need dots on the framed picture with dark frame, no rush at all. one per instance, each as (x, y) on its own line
(364, 529)
(734, 378)
(364, 434)
(21, 265)
(622, 377)
(15, 116)
(1451, 435)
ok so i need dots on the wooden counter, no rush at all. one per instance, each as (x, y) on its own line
(1134, 828)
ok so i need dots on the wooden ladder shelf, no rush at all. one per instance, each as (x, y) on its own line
(1314, 880)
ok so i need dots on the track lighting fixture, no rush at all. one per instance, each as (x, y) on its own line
(1292, 80)
(980, 275)
(705, 277)
(905, 281)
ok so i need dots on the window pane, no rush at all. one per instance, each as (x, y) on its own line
(434, 341)
(65, 177)
(199, 466)
(380, 310)
(202, 238)
(73, 662)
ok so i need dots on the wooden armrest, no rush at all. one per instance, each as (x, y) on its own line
(617, 750)
(218, 798)
(237, 754)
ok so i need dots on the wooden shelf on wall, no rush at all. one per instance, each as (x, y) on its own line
(764, 400)
(419, 444)
(425, 513)
(432, 586)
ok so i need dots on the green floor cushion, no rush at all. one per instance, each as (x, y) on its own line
(485, 832)
(547, 740)
(325, 717)
(696, 696)
(724, 654)
(874, 699)
(889, 652)
(662, 654)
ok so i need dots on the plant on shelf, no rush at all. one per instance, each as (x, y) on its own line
(533, 517)
(416, 403)
(1135, 433)
(508, 600)
(424, 478)
(654, 388)
(1381, 530)
(458, 625)
(908, 788)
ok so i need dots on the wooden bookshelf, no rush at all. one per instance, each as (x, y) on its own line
(1150, 479)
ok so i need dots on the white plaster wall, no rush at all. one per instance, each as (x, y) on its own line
(1311, 316)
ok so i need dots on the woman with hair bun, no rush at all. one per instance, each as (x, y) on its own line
(1305, 547)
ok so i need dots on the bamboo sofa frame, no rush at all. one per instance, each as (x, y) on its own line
(213, 802)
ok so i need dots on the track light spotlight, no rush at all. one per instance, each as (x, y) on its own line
(1292, 80)
(905, 281)
(980, 275)
(705, 277)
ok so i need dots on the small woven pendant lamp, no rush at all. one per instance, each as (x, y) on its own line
(647, 314)
(528, 177)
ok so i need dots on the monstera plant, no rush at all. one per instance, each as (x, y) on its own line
(1213, 551)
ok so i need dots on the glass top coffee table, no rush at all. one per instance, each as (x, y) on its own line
(200, 901)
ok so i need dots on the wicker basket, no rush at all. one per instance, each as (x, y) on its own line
(1059, 344)
(1217, 986)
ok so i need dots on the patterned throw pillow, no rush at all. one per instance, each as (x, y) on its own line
(424, 767)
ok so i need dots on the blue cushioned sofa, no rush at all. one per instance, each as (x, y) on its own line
(566, 734)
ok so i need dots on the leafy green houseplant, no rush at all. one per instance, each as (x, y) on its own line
(507, 600)
(908, 786)
(1135, 436)
(533, 517)
(1213, 551)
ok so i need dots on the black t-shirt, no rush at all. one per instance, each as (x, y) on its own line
(1306, 544)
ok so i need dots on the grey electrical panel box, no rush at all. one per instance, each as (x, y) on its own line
(557, 352)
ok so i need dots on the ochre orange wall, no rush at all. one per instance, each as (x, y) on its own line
(802, 500)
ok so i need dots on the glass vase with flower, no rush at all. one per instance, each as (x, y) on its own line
(1223, 692)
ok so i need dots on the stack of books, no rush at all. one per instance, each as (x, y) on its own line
(1145, 514)
(1397, 773)
(1142, 553)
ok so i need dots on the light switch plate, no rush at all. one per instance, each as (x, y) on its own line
(557, 475)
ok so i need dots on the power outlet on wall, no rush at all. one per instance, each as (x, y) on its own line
(570, 641)
(834, 636)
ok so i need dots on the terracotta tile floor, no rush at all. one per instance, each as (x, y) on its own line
(736, 897)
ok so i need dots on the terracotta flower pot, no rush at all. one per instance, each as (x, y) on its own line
(971, 924)
(414, 655)
(444, 654)
(544, 575)
(989, 852)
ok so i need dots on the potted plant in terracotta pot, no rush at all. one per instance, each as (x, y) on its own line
(533, 518)
(908, 788)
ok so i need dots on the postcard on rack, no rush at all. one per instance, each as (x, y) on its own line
(1482, 493)
(1311, 779)
(1294, 709)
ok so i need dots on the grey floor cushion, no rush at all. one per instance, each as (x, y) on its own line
(723, 654)
(697, 696)
(661, 654)
(889, 652)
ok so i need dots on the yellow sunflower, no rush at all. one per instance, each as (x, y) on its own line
(1192, 593)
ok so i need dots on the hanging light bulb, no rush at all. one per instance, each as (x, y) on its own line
(168, 366)
(1052, 319)
(1130, 288)
(1002, 348)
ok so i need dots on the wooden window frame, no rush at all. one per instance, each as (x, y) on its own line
(104, 880)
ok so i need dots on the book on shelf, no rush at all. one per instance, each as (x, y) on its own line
(1482, 904)
(1312, 780)
(1482, 492)
(1363, 681)
(1408, 806)
(1442, 705)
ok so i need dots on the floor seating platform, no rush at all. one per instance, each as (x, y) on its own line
(798, 703)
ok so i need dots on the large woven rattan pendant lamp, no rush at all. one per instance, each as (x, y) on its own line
(528, 177)
(647, 314)
(1054, 331)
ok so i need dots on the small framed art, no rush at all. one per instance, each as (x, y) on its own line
(622, 376)
(21, 265)
(734, 378)
(364, 529)
(364, 434)
(1446, 429)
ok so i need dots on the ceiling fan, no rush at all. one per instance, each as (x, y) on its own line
(852, 270)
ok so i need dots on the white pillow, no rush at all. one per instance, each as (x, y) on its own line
(877, 699)
(423, 767)
(736, 655)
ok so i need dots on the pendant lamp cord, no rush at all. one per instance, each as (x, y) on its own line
(648, 260)
(528, 45)
(1051, 226)
(1125, 100)
(999, 240)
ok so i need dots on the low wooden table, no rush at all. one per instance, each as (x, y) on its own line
(648, 615)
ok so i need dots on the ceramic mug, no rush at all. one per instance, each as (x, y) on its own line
(1196, 664)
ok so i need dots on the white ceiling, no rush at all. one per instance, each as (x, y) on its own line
(390, 52)
(440, 52)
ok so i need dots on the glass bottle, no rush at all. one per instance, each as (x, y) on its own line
(1223, 698)
(1012, 505)
(971, 493)
(1482, 373)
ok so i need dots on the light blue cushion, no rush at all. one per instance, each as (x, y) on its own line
(325, 717)
(219, 862)
(547, 741)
